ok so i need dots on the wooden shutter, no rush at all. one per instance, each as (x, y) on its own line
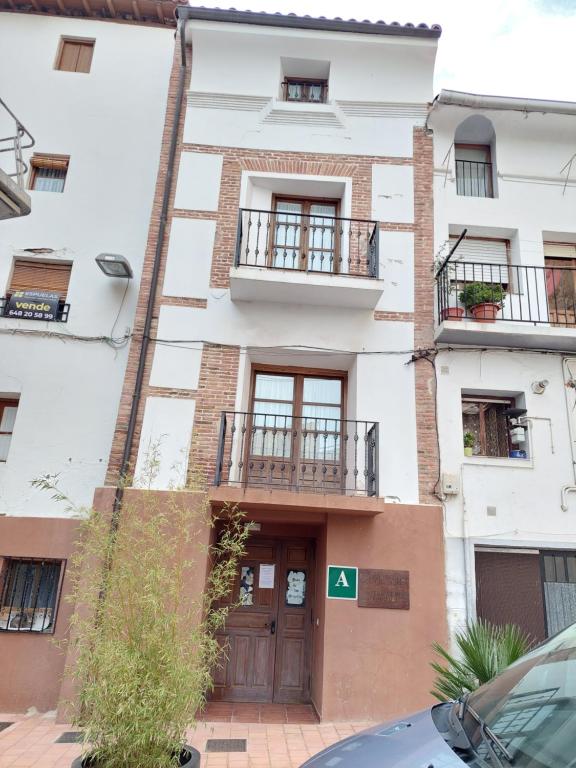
(482, 252)
(75, 55)
(40, 276)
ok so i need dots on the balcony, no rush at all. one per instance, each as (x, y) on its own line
(308, 455)
(522, 306)
(306, 259)
(14, 200)
(474, 179)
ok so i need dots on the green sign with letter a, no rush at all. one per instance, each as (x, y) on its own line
(342, 582)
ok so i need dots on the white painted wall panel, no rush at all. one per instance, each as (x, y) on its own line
(167, 425)
(397, 271)
(189, 258)
(393, 193)
(198, 185)
(176, 366)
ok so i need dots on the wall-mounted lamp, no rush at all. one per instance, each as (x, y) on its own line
(538, 387)
(114, 265)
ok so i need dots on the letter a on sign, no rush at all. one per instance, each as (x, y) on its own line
(342, 582)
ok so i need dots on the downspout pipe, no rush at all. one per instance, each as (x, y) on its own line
(137, 393)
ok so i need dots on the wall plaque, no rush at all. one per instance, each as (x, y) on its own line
(383, 589)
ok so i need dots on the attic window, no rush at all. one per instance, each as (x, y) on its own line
(305, 90)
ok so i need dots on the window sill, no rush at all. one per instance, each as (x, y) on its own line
(498, 461)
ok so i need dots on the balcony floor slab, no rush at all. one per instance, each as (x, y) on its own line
(270, 504)
(509, 335)
(296, 287)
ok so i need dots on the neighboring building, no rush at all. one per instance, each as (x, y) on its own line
(292, 287)
(505, 173)
(90, 81)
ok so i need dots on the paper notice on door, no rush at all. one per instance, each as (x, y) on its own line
(266, 577)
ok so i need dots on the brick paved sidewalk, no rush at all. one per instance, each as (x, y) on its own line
(30, 742)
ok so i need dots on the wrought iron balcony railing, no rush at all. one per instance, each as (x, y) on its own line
(474, 179)
(11, 146)
(307, 243)
(298, 453)
(518, 293)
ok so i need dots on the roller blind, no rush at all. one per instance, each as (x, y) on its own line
(41, 276)
(491, 256)
(560, 250)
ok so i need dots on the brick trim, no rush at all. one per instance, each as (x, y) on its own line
(119, 438)
(427, 444)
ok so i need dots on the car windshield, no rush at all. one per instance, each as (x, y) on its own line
(530, 708)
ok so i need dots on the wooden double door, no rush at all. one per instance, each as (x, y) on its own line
(268, 635)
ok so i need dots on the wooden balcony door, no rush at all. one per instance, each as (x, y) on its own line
(561, 290)
(267, 638)
(305, 235)
(295, 436)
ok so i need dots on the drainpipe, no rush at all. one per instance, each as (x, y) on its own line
(137, 394)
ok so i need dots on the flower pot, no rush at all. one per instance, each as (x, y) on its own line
(468, 451)
(189, 758)
(453, 313)
(485, 312)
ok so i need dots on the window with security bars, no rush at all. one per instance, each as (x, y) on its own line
(305, 90)
(559, 571)
(486, 420)
(48, 173)
(29, 595)
(8, 410)
(473, 170)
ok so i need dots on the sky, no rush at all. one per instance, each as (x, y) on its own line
(524, 48)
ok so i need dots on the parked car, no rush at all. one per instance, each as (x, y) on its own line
(525, 717)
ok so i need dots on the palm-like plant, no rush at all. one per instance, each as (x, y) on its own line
(485, 650)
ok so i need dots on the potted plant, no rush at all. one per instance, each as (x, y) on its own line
(445, 275)
(143, 642)
(483, 300)
(468, 443)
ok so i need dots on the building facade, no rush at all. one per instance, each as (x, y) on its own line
(92, 92)
(285, 300)
(506, 356)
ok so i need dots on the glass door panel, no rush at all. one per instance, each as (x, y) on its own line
(322, 238)
(287, 232)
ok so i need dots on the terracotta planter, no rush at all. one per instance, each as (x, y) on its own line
(453, 313)
(485, 312)
(189, 758)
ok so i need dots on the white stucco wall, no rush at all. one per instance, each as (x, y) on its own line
(110, 123)
(235, 89)
(234, 101)
(532, 204)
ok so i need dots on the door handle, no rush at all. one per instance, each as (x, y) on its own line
(273, 627)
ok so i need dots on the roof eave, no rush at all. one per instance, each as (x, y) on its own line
(306, 22)
(513, 103)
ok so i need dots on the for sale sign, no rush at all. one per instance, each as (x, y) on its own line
(33, 305)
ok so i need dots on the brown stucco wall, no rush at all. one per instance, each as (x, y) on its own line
(376, 661)
(31, 665)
